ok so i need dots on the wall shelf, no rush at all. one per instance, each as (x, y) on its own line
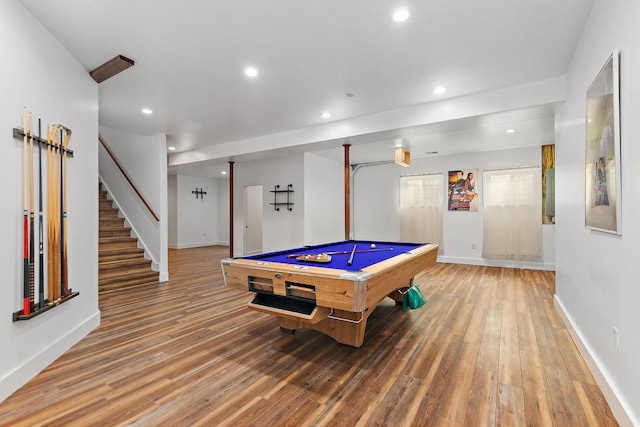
(278, 196)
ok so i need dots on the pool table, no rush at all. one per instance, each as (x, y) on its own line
(334, 297)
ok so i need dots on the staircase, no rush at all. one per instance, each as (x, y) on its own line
(121, 263)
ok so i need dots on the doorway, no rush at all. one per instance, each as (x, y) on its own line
(253, 219)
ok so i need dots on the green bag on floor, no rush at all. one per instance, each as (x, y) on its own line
(413, 298)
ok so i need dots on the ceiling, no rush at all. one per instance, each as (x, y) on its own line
(311, 56)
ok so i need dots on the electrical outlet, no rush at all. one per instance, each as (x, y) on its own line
(473, 246)
(615, 339)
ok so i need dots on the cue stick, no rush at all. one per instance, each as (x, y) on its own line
(353, 252)
(26, 306)
(50, 237)
(60, 219)
(31, 219)
(40, 221)
(54, 216)
(64, 285)
(343, 252)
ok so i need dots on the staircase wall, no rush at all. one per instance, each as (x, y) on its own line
(144, 159)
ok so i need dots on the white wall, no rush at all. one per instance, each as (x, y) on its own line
(42, 75)
(144, 159)
(196, 219)
(377, 201)
(596, 281)
(323, 200)
(282, 229)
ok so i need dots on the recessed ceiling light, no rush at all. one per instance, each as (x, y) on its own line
(510, 131)
(147, 111)
(439, 90)
(401, 15)
(250, 72)
(172, 148)
(326, 114)
(223, 172)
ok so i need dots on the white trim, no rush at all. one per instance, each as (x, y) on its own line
(192, 245)
(611, 393)
(17, 378)
(498, 263)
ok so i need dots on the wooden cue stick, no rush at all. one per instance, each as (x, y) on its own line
(353, 252)
(50, 296)
(64, 289)
(55, 217)
(343, 252)
(31, 218)
(26, 305)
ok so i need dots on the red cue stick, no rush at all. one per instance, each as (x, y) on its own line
(26, 304)
(343, 252)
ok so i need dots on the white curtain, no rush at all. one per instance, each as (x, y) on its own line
(421, 207)
(512, 206)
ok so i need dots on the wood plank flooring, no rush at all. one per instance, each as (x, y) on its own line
(487, 349)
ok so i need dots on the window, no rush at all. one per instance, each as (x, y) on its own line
(512, 203)
(421, 207)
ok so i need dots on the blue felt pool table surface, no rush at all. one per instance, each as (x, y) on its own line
(368, 257)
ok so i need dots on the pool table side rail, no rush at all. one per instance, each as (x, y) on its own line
(397, 272)
(331, 289)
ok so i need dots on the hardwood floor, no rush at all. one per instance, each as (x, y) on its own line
(487, 349)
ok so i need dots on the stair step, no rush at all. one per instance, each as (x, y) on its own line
(132, 278)
(121, 262)
(124, 266)
(118, 242)
(114, 232)
(118, 253)
(110, 222)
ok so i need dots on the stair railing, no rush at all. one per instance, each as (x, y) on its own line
(153, 214)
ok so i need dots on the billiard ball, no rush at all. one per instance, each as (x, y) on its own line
(373, 246)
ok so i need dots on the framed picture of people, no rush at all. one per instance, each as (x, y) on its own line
(602, 154)
(462, 190)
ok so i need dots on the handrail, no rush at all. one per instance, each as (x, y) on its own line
(128, 179)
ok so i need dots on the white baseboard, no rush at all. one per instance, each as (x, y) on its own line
(194, 245)
(32, 367)
(498, 263)
(618, 406)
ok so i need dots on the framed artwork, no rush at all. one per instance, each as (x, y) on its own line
(462, 192)
(602, 154)
(549, 184)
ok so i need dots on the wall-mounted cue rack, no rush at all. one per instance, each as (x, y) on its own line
(278, 201)
(49, 238)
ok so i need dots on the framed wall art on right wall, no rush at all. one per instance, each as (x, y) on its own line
(602, 150)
